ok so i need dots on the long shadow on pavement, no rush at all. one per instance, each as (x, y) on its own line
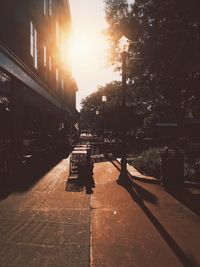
(139, 194)
(143, 193)
(27, 177)
(186, 260)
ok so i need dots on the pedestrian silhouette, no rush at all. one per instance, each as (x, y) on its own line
(85, 176)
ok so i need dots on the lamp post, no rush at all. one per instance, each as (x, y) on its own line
(103, 99)
(97, 114)
(124, 46)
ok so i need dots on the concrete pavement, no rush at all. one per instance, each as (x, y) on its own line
(138, 224)
(45, 225)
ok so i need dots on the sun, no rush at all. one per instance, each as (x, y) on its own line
(84, 50)
(80, 48)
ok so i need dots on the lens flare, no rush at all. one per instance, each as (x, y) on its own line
(85, 50)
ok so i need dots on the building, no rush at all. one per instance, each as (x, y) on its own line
(37, 92)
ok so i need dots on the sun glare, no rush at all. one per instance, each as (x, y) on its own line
(86, 50)
(80, 48)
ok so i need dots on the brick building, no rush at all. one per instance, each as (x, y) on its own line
(37, 92)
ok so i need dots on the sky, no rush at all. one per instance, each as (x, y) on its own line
(89, 47)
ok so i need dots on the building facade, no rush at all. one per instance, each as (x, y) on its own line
(37, 92)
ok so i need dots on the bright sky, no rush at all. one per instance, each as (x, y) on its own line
(89, 47)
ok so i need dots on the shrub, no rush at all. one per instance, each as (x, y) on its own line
(148, 162)
(192, 171)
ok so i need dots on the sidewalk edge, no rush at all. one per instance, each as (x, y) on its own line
(134, 173)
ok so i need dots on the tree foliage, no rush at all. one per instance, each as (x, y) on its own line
(165, 40)
(110, 114)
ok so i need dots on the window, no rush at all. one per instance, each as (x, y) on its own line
(50, 63)
(33, 44)
(45, 56)
(50, 7)
(45, 7)
(57, 32)
(62, 84)
(31, 39)
(57, 75)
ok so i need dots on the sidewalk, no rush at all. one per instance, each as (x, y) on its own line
(45, 226)
(140, 225)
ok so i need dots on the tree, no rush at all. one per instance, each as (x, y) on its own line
(165, 39)
(110, 114)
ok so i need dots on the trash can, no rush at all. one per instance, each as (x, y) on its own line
(172, 168)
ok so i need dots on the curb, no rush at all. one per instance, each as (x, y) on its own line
(140, 177)
(135, 174)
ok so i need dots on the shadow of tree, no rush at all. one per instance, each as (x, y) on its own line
(144, 194)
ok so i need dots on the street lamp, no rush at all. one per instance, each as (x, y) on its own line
(123, 47)
(96, 119)
(103, 99)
